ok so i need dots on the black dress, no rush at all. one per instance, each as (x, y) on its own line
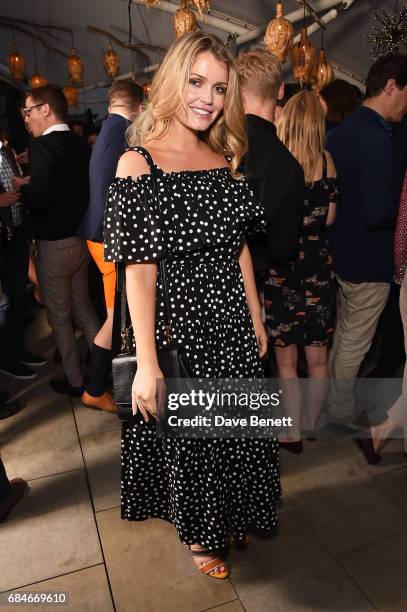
(208, 488)
(299, 298)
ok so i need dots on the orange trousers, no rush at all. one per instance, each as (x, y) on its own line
(108, 270)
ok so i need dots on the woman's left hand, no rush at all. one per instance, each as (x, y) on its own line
(261, 336)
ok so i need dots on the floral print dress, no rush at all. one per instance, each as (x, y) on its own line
(299, 298)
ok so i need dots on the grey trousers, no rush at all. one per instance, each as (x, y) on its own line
(360, 307)
(62, 267)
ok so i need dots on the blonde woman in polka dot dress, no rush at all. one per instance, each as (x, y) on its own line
(210, 489)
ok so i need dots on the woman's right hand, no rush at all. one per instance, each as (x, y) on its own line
(145, 389)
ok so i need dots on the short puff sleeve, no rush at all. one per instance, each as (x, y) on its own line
(255, 219)
(132, 228)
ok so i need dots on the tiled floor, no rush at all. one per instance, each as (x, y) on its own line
(341, 544)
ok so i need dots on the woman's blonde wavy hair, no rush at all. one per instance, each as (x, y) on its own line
(227, 135)
(301, 127)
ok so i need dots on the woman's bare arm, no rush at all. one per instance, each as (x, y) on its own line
(141, 282)
(246, 266)
(331, 173)
(252, 298)
(141, 294)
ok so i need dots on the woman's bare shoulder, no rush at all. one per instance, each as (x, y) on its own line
(132, 163)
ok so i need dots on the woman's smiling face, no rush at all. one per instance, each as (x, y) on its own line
(204, 94)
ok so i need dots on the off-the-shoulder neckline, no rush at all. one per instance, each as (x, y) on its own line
(175, 172)
(144, 153)
(218, 169)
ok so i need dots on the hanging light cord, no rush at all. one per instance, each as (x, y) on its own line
(130, 36)
(130, 24)
(34, 53)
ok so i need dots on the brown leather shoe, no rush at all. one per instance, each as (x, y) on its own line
(103, 402)
(18, 488)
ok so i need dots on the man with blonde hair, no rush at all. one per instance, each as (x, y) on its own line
(275, 176)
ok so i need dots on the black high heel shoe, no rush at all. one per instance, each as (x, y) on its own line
(296, 447)
(366, 446)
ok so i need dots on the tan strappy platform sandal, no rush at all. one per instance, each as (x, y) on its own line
(211, 565)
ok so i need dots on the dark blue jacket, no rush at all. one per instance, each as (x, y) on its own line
(370, 163)
(109, 146)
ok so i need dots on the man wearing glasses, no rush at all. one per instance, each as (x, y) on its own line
(57, 196)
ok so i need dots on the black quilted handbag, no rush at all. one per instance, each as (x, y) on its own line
(124, 365)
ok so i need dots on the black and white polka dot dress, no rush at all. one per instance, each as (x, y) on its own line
(208, 488)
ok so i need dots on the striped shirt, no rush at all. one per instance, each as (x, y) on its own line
(6, 178)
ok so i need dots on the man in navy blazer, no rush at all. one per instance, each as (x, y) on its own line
(125, 100)
(370, 163)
